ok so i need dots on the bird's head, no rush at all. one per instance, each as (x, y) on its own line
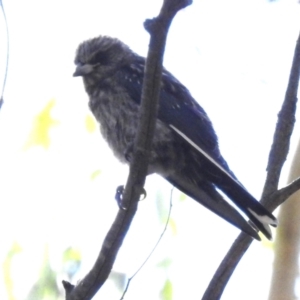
(99, 58)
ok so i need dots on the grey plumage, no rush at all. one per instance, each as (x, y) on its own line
(185, 147)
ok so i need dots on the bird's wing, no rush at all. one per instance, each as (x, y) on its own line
(193, 125)
(179, 110)
(188, 120)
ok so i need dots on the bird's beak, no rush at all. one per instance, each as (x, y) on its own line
(82, 70)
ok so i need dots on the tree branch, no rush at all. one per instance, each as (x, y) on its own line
(158, 29)
(271, 198)
(284, 128)
(278, 197)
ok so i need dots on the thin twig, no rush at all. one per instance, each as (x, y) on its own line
(153, 249)
(277, 157)
(278, 197)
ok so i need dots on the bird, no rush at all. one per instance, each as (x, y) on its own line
(185, 149)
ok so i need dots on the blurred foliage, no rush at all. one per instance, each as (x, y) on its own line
(45, 288)
(8, 280)
(173, 226)
(71, 261)
(183, 197)
(167, 292)
(90, 124)
(166, 263)
(95, 174)
(43, 122)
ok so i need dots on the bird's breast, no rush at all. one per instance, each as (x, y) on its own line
(118, 116)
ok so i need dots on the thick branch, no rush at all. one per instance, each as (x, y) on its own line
(158, 29)
(277, 157)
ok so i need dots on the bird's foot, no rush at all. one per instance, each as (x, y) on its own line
(119, 196)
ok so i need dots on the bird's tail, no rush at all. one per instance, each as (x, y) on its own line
(260, 217)
(207, 195)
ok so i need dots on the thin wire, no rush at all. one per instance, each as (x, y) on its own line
(153, 249)
(7, 53)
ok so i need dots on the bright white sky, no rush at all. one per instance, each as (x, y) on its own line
(234, 56)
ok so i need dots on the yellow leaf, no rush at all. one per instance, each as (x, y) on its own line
(7, 270)
(39, 135)
(172, 225)
(90, 123)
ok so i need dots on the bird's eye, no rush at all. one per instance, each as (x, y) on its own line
(100, 58)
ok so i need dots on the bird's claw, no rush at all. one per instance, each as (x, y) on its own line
(119, 196)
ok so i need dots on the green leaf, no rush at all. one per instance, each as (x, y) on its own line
(95, 174)
(165, 263)
(167, 291)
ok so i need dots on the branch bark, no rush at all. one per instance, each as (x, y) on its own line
(287, 244)
(271, 197)
(158, 29)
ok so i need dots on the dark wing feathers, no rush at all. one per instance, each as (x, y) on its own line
(212, 200)
(186, 117)
(180, 110)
